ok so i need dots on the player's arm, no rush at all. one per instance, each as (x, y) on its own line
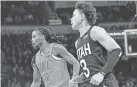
(81, 77)
(62, 51)
(36, 76)
(99, 34)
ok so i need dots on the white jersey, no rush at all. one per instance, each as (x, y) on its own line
(53, 70)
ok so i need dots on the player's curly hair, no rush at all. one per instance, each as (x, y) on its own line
(88, 9)
(48, 35)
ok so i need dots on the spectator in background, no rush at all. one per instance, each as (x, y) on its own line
(28, 83)
(28, 72)
(11, 66)
(100, 17)
(129, 82)
(14, 82)
(18, 13)
(21, 76)
(134, 68)
(131, 8)
(121, 79)
(115, 12)
(40, 11)
(110, 14)
(68, 15)
(5, 9)
(15, 70)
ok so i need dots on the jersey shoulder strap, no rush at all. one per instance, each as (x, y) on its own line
(56, 57)
(76, 43)
(33, 61)
(51, 48)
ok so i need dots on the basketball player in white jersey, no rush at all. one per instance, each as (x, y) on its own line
(49, 63)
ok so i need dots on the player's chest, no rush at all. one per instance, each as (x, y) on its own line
(83, 40)
(84, 50)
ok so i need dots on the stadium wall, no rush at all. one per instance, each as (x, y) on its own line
(114, 29)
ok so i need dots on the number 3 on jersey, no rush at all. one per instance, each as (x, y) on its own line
(84, 66)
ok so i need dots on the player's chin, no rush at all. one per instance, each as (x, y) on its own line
(34, 46)
(73, 27)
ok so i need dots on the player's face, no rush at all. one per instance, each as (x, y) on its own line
(76, 20)
(36, 39)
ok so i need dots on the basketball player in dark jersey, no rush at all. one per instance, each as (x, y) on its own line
(49, 63)
(97, 52)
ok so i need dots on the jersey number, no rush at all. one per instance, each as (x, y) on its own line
(84, 66)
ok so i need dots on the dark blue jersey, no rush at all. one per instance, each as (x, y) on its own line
(91, 55)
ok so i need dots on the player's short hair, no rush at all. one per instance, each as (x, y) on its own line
(47, 34)
(88, 9)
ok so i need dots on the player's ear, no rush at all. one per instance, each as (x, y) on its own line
(82, 17)
(42, 36)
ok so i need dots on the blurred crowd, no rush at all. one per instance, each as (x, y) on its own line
(40, 12)
(17, 52)
(26, 12)
(119, 13)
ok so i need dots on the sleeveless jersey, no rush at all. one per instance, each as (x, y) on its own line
(91, 55)
(53, 69)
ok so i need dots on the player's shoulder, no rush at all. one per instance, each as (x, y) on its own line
(58, 48)
(97, 32)
(98, 29)
(76, 43)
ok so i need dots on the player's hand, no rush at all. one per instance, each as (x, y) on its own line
(72, 83)
(77, 79)
(97, 78)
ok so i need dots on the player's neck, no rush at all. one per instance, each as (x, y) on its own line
(84, 29)
(44, 47)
